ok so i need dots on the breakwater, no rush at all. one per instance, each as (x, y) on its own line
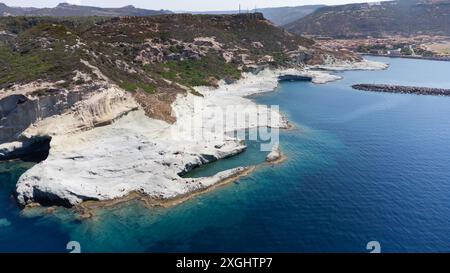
(402, 89)
(294, 78)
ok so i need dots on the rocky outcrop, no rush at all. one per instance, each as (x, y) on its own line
(275, 154)
(99, 108)
(32, 149)
(139, 154)
(18, 112)
(156, 50)
(123, 115)
(158, 106)
(28, 121)
(133, 154)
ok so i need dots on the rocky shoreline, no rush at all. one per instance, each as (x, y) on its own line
(87, 209)
(402, 89)
(106, 148)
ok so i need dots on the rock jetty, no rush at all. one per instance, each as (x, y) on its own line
(402, 89)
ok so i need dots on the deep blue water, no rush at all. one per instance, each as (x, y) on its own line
(362, 166)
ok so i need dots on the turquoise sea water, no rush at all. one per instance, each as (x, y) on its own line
(362, 167)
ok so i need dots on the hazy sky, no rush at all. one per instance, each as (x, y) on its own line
(192, 5)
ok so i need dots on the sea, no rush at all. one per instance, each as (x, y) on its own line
(362, 167)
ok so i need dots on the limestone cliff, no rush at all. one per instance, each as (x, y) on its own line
(106, 98)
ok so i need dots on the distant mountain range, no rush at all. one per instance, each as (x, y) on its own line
(404, 17)
(65, 9)
(279, 16)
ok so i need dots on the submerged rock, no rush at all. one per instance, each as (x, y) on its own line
(294, 78)
(4, 222)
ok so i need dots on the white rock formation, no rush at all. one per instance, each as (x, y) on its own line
(136, 153)
(133, 154)
(275, 154)
(99, 108)
(26, 118)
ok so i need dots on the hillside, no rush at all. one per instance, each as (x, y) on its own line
(279, 16)
(65, 9)
(155, 58)
(285, 15)
(123, 106)
(403, 17)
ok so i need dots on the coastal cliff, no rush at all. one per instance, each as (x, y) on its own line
(112, 96)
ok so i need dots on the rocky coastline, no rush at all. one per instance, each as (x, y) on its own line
(402, 89)
(103, 147)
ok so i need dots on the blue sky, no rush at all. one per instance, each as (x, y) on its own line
(192, 5)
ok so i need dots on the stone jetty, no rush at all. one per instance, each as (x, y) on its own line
(402, 89)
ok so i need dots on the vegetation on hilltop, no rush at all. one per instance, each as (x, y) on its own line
(155, 57)
(65, 9)
(401, 17)
(51, 48)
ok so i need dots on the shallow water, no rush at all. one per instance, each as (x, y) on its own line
(362, 166)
